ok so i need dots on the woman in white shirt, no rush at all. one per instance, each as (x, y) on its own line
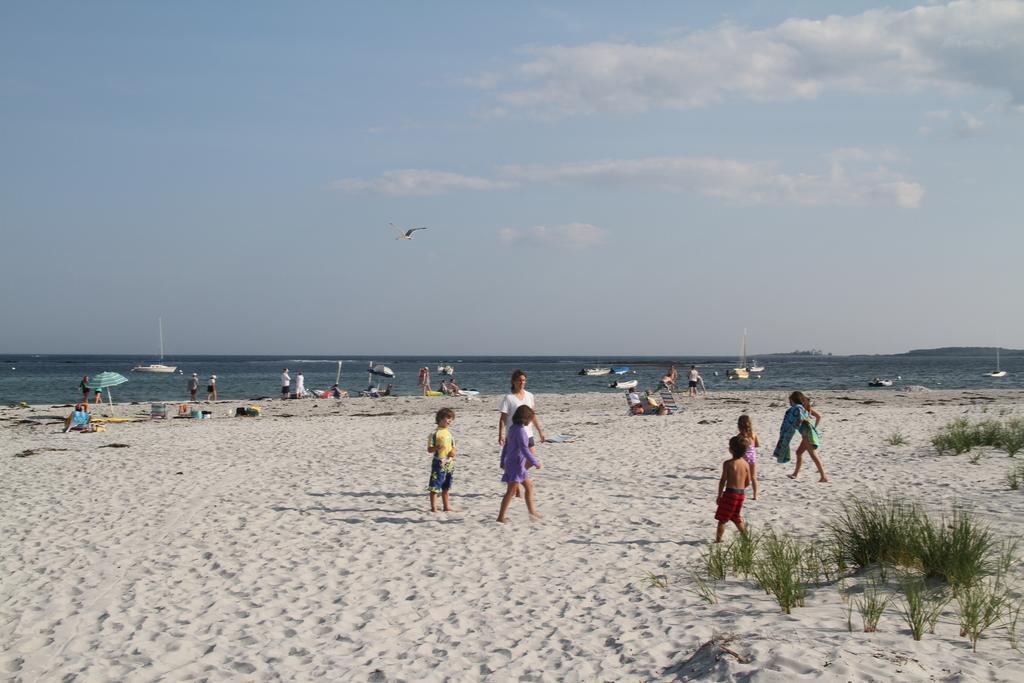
(519, 396)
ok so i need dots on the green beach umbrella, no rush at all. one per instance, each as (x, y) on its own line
(105, 380)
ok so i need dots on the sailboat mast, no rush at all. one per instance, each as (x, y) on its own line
(743, 350)
(160, 324)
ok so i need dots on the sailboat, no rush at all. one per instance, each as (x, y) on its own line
(997, 372)
(157, 368)
(741, 372)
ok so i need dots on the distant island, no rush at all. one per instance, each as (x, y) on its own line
(959, 351)
(808, 352)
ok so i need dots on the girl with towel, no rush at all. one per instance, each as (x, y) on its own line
(798, 419)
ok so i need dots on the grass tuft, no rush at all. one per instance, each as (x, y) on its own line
(981, 606)
(778, 571)
(921, 608)
(896, 439)
(871, 606)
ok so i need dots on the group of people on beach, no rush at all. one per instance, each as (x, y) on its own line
(519, 428)
(516, 436)
(694, 380)
(740, 471)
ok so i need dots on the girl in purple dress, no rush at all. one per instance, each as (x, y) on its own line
(516, 459)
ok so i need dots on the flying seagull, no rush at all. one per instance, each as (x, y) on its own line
(404, 234)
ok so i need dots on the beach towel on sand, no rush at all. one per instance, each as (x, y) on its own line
(795, 417)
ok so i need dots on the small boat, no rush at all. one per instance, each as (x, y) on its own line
(627, 384)
(158, 368)
(445, 370)
(381, 370)
(879, 382)
(754, 367)
(997, 372)
(595, 372)
(621, 370)
(741, 372)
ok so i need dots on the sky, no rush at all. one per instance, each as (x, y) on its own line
(595, 177)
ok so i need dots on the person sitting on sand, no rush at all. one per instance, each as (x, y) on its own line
(442, 467)
(516, 459)
(453, 388)
(633, 398)
(652, 406)
(732, 487)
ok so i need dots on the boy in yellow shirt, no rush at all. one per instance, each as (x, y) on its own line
(442, 468)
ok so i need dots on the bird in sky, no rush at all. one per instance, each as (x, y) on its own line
(404, 234)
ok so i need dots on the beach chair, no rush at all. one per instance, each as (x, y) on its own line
(78, 421)
(668, 400)
(158, 411)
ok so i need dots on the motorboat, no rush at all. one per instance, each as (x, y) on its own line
(879, 382)
(595, 372)
(381, 370)
(158, 368)
(627, 384)
(621, 370)
(754, 367)
(445, 370)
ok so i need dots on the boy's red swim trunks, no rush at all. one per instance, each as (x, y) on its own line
(729, 507)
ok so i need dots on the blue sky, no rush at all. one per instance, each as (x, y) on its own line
(596, 178)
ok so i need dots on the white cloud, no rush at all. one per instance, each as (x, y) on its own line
(571, 236)
(854, 177)
(415, 182)
(952, 124)
(969, 125)
(851, 177)
(947, 47)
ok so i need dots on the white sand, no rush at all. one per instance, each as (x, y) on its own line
(299, 548)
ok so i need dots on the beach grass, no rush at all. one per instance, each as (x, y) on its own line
(921, 607)
(896, 439)
(962, 436)
(778, 571)
(870, 532)
(958, 550)
(981, 606)
(704, 588)
(872, 605)
(743, 553)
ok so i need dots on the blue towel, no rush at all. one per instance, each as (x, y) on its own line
(795, 417)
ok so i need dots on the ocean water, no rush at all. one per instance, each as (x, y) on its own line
(53, 379)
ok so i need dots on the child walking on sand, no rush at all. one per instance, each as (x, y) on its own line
(516, 458)
(745, 427)
(732, 487)
(799, 419)
(442, 467)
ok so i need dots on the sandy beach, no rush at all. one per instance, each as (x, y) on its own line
(299, 545)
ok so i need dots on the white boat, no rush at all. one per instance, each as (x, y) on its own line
(381, 370)
(158, 368)
(445, 370)
(754, 367)
(627, 384)
(879, 382)
(997, 372)
(595, 372)
(742, 372)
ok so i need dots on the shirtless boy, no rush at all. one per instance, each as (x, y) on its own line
(732, 487)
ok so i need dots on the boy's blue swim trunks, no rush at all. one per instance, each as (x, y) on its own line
(441, 474)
